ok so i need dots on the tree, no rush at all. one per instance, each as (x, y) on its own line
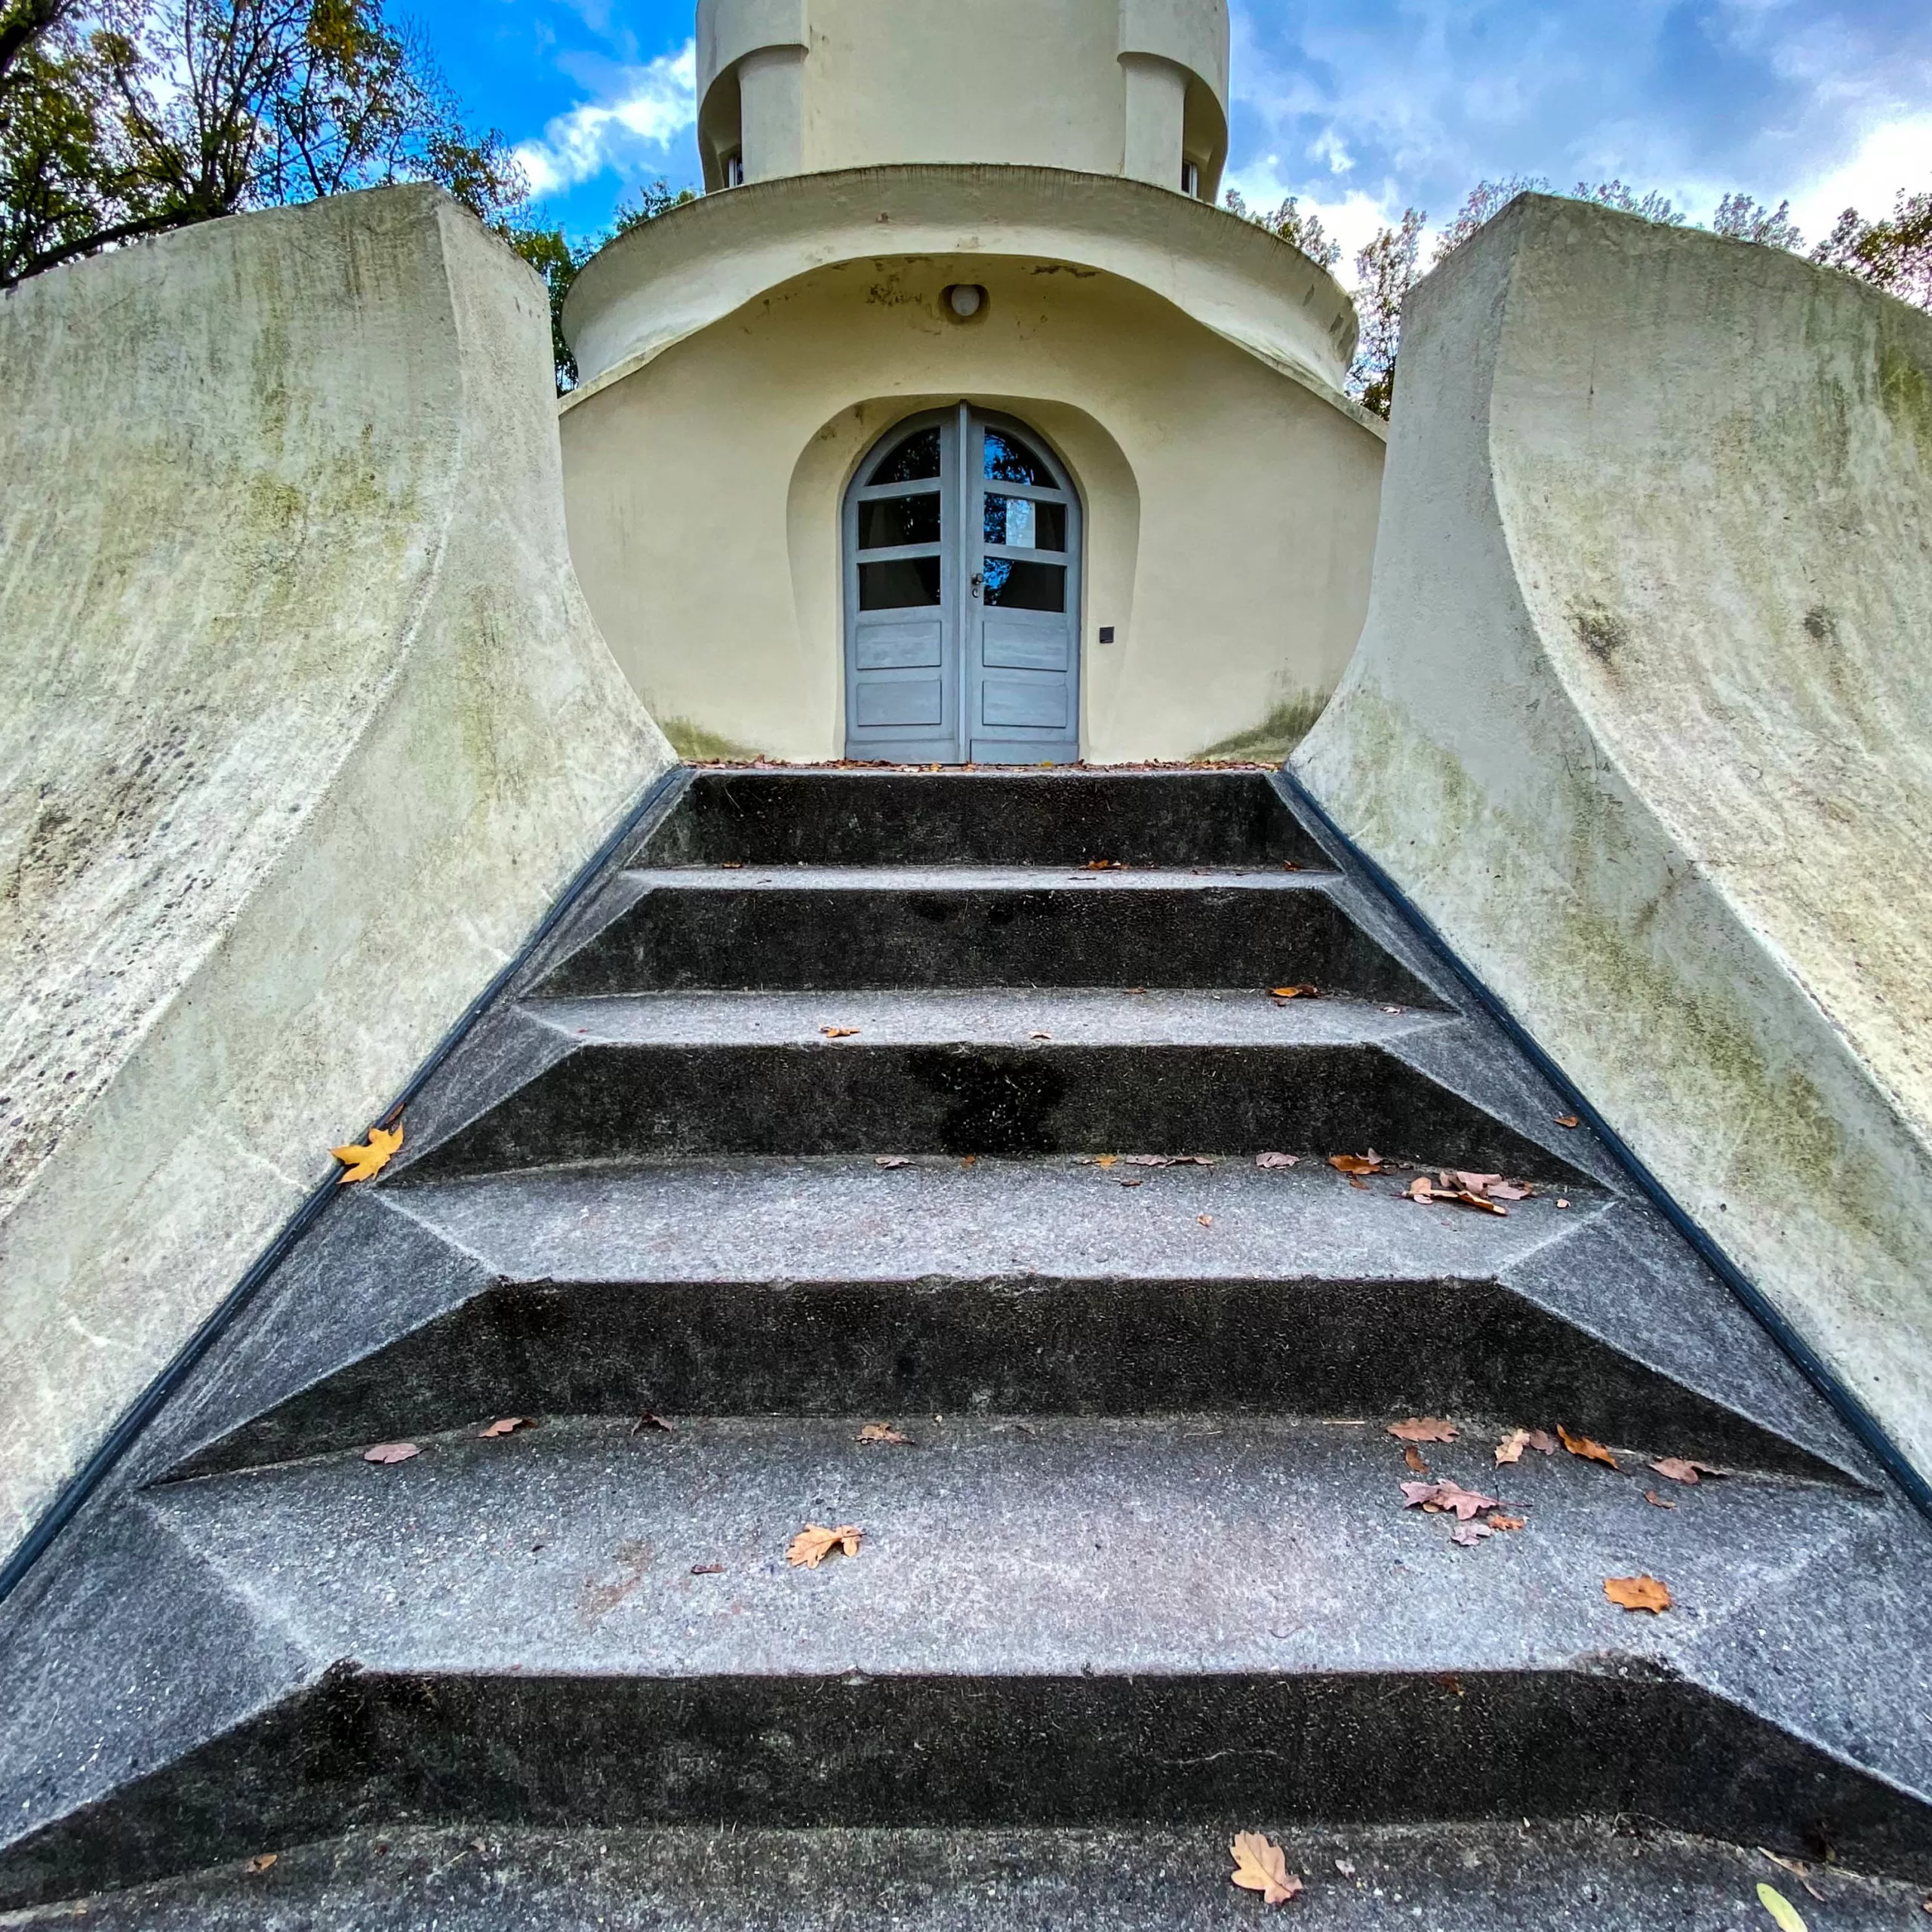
(1894, 254)
(1300, 231)
(1744, 219)
(162, 113)
(1385, 272)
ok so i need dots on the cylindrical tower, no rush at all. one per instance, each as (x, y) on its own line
(1133, 87)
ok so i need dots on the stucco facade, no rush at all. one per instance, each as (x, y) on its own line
(741, 357)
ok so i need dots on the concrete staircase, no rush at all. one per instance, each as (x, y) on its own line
(819, 1111)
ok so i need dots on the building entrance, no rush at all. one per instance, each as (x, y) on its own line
(962, 597)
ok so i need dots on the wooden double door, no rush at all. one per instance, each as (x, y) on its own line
(962, 597)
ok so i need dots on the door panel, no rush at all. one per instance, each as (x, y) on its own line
(962, 596)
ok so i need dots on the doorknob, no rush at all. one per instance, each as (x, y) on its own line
(979, 578)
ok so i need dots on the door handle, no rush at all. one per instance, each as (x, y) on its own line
(979, 578)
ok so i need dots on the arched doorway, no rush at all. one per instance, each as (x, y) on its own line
(962, 596)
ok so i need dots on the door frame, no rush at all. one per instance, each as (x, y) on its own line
(962, 426)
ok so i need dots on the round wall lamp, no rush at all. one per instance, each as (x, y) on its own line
(965, 299)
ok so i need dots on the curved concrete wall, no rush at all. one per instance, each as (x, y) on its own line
(304, 723)
(1642, 719)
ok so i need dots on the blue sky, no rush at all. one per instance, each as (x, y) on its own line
(1360, 107)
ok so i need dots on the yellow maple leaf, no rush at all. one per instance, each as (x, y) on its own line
(1260, 1866)
(366, 1161)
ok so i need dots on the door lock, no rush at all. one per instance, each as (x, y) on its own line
(979, 578)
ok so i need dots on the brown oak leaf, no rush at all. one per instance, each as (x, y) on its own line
(1468, 1534)
(1582, 1445)
(263, 1860)
(1500, 1522)
(505, 1426)
(889, 1159)
(1510, 1449)
(1294, 992)
(815, 1543)
(1508, 1190)
(1477, 1183)
(1637, 1592)
(1681, 1469)
(1446, 1498)
(1414, 1460)
(1271, 1160)
(1260, 1865)
(1661, 1502)
(1423, 1428)
(391, 1452)
(883, 1431)
(838, 1033)
(1568, 1120)
(365, 1162)
(1370, 1163)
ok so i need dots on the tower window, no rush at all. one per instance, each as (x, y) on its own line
(1190, 179)
(735, 170)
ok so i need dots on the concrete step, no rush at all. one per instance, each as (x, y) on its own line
(830, 1286)
(854, 818)
(1542, 1875)
(653, 1075)
(1049, 1621)
(980, 926)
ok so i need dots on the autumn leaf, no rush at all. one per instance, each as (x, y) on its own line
(1411, 1456)
(1206, 1220)
(1783, 1912)
(1446, 1498)
(1680, 1469)
(263, 1860)
(1277, 1160)
(1508, 1190)
(814, 1543)
(838, 1033)
(889, 1159)
(1582, 1445)
(391, 1452)
(1294, 992)
(1510, 1449)
(365, 1162)
(1501, 1522)
(1469, 1534)
(1568, 1120)
(1039, 1036)
(1369, 1163)
(504, 1425)
(648, 1421)
(707, 1569)
(883, 1431)
(1469, 1198)
(1419, 1189)
(1477, 1183)
(1637, 1593)
(1261, 1867)
(1423, 1428)
(1660, 1502)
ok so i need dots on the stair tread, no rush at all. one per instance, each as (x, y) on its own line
(1041, 1547)
(826, 1218)
(1547, 1877)
(978, 878)
(1072, 1015)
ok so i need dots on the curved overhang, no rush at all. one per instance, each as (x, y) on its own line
(667, 279)
(729, 29)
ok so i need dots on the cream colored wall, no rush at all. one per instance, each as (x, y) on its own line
(1231, 512)
(862, 83)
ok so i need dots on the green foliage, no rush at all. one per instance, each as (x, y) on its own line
(1744, 219)
(1385, 272)
(1895, 253)
(1300, 231)
(145, 115)
(558, 260)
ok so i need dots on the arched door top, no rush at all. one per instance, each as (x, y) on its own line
(962, 596)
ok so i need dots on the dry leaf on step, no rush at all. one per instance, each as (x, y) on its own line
(1206, 1220)
(1783, 1912)
(1661, 1502)
(1260, 1866)
(365, 1162)
(391, 1452)
(1446, 1498)
(1499, 1522)
(1508, 1190)
(505, 1426)
(1582, 1445)
(814, 1543)
(1637, 1592)
(883, 1431)
(1510, 1449)
(889, 1159)
(1411, 1455)
(838, 1033)
(263, 1860)
(1294, 992)
(1680, 1469)
(1369, 1163)
(1470, 1533)
(1423, 1428)
(1798, 1871)
(647, 1421)
(1271, 1160)
(1568, 1120)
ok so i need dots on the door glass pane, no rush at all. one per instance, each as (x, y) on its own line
(1013, 585)
(1009, 460)
(886, 520)
(1024, 525)
(898, 585)
(917, 457)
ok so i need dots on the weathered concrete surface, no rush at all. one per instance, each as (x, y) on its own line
(304, 722)
(1642, 719)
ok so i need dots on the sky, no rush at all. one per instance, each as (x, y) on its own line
(1358, 107)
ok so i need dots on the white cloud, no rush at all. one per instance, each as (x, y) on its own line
(655, 103)
(1895, 154)
(1352, 220)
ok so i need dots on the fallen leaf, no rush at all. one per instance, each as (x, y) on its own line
(505, 1426)
(1419, 1189)
(1261, 1867)
(1510, 1449)
(1096, 1160)
(1500, 1522)
(649, 1421)
(1469, 1198)
(1582, 1445)
(1206, 1220)
(883, 1431)
(1343, 1866)
(1277, 1160)
(1468, 1534)
(1784, 1914)
(1542, 1442)
(814, 1543)
(1369, 1163)
(1661, 1502)
(707, 1569)
(731, 865)
(1563, 1203)
(263, 1860)
(1508, 1190)
(1104, 866)
(1478, 1183)
(1423, 1428)
(1135, 1183)
(1798, 1872)
(1356, 1181)
(967, 1160)
(1568, 1120)
(1413, 1457)
(1637, 1592)
(365, 1162)
(1039, 1036)
(391, 1452)
(1680, 1469)
(1446, 1498)
(1294, 992)
(889, 1159)
(838, 1033)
